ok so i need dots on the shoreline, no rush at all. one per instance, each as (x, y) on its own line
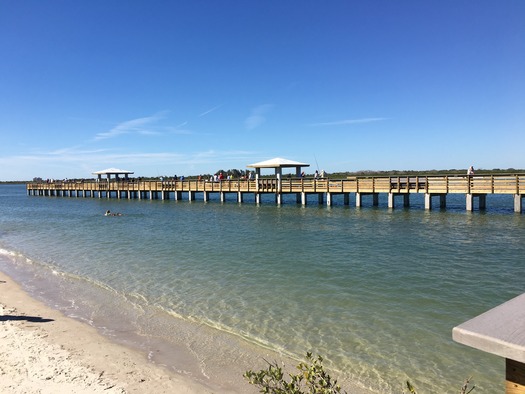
(79, 307)
(45, 351)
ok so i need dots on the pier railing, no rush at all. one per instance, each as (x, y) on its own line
(436, 184)
(476, 186)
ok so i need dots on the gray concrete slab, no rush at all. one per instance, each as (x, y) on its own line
(500, 331)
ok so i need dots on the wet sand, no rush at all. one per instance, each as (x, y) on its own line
(42, 351)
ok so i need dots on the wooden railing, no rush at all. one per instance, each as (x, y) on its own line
(435, 184)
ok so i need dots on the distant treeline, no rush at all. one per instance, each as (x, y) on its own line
(241, 174)
(478, 171)
(238, 174)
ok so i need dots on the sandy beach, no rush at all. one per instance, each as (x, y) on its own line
(42, 351)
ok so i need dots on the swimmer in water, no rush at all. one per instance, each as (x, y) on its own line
(108, 213)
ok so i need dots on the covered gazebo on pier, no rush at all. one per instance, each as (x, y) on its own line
(278, 164)
(112, 171)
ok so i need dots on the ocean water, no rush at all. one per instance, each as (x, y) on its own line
(209, 288)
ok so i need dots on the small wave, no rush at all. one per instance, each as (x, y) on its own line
(9, 253)
(16, 256)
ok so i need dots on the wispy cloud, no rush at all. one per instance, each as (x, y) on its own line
(214, 155)
(210, 110)
(180, 129)
(143, 126)
(78, 162)
(257, 116)
(348, 122)
(74, 155)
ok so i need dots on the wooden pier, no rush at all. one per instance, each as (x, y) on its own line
(435, 186)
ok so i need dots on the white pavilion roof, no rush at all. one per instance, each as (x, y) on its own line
(278, 162)
(112, 171)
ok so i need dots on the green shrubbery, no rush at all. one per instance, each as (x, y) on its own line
(311, 379)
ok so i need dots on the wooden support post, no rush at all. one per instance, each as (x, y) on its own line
(515, 377)
(470, 202)
(518, 203)
(442, 200)
(482, 200)
(328, 199)
(391, 202)
(406, 200)
(304, 199)
(346, 198)
(428, 201)
(375, 199)
(392, 196)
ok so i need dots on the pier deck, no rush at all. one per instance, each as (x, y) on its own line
(472, 187)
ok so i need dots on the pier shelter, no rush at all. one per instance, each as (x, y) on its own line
(112, 171)
(278, 164)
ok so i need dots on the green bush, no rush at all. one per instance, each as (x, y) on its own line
(311, 379)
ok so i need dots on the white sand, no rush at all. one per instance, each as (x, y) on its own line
(42, 351)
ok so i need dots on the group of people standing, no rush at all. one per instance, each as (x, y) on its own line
(319, 175)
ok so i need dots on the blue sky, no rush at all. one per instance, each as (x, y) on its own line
(189, 87)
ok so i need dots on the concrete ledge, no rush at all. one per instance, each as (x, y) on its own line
(500, 331)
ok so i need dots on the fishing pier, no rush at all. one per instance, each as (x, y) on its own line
(434, 187)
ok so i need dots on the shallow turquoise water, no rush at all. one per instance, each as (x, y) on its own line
(375, 291)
